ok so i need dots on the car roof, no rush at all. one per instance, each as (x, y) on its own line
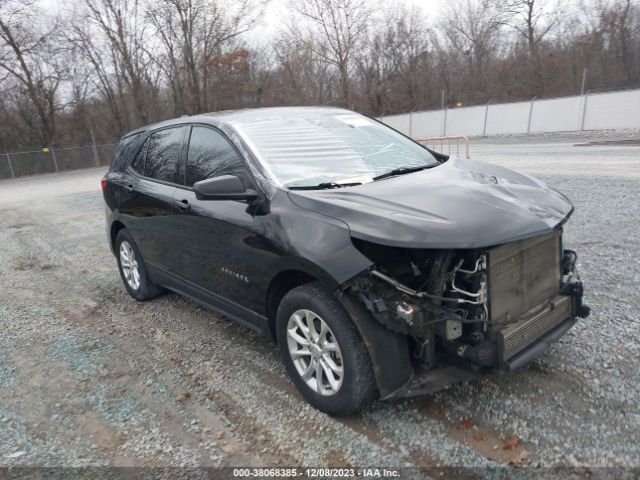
(242, 116)
(250, 113)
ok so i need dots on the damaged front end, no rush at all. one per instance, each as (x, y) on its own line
(470, 309)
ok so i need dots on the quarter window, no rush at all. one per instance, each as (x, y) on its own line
(163, 155)
(126, 148)
(211, 155)
(138, 162)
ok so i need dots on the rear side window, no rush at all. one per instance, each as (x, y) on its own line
(162, 160)
(126, 148)
(138, 162)
(211, 155)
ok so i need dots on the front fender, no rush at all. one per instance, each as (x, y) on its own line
(309, 242)
(299, 264)
(389, 351)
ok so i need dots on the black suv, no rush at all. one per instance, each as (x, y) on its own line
(381, 268)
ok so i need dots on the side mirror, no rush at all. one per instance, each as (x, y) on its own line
(224, 187)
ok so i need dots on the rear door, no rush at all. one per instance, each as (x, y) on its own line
(148, 201)
(216, 236)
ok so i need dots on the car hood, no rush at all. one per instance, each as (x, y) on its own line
(459, 204)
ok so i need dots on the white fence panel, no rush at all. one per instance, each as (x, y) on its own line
(602, 111)
(613, 110)
(399, 122)
(426, 124)
(507, 118)
(556, 115)
(466, 120)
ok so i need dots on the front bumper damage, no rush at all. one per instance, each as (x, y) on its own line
(463, 312)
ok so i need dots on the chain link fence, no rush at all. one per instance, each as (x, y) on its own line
(54, 159)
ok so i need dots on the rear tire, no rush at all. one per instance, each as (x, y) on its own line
(333, 351)
(132, 269)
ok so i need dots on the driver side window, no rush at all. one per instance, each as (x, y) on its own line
(210, 155)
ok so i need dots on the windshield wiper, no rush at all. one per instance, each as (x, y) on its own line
(325, 186)
(401, 171)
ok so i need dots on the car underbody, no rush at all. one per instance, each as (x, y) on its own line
(467, 310)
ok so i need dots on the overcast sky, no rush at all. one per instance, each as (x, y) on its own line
(276, 13)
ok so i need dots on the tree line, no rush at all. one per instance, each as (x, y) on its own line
(109, 66)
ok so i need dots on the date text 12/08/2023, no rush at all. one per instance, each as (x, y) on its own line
(316, 472)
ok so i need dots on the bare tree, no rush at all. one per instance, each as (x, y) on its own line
(302, 75)
(110, 86)
(534, 21)
(340, 27)
(194, 35)
(262, 75)
(617, 23)
(114, 65)
(28, 56)
(117, 46)
(393, 71)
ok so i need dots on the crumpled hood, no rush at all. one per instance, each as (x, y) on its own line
(459, 204)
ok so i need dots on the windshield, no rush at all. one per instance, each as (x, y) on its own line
(307, 148)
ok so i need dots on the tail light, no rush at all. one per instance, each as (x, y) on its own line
(103, 183)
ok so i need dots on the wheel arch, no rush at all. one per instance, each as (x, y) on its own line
(388, 351)
(116, 226)
(282, 283)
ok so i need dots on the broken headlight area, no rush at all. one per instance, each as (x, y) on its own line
(493, 307)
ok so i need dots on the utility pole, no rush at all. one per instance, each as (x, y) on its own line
(411, 123)
(94, 148)
(486, 116)
(530, 114)
(13, 175)
(55, 161)
(584, 80)
(444, 114)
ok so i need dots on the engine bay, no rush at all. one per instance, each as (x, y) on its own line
(482, 307)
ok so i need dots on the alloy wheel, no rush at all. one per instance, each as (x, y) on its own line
(315, 352)
(129, 265)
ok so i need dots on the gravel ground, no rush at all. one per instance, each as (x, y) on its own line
(90, 377)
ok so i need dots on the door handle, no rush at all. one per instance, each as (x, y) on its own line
(182, 204)
(129, 188)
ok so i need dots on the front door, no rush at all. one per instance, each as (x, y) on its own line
(216, 236)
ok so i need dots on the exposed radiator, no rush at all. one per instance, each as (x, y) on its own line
(533, 325)
(523, 275)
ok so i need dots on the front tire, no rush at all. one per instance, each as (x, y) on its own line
(132, 269)
(322, 351)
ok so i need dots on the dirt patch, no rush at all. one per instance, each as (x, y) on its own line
(31, 263)
(508, 450)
